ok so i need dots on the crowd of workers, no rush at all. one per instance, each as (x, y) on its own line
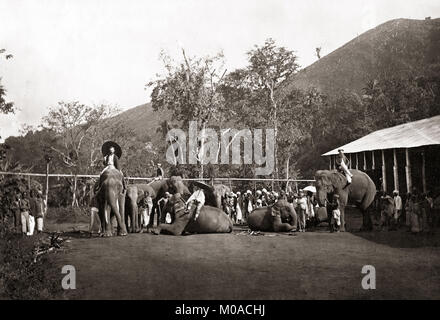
(418, 212)
(28, 211)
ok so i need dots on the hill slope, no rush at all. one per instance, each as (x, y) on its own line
(397, 47)
(142, 119)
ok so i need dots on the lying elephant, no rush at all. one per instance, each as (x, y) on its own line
(281, 217)
(210, 220)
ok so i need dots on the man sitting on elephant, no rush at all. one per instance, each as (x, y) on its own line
(342, 165)
(112, 152)
(197, 199)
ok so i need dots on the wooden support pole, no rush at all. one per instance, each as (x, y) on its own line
(46, 195)
(395, 171)
(424, 171)
(350, 162)
(373, 162)
(408, 171)
(384, 173)
(357, 162)
(330, 166)
(365, 161)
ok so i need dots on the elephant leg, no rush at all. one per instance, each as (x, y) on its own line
(117, 216)
(367, 224)
(133, 216)
(342, 227)
(177, 228)
(107, 226)
(135, 219)
(122, 228)
(279, 226)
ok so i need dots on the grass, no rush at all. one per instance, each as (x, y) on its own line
(23, 275)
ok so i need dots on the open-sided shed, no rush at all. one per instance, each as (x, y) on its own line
(407, 155)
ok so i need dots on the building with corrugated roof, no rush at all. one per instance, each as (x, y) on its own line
(398, 158)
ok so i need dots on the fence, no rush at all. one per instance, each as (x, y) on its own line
(236, 184)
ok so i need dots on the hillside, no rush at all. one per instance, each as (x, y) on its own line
(398, 46)
(142, 119)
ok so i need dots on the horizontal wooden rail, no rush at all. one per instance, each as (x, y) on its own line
(65, 175)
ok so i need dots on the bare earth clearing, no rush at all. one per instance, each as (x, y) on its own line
(311, 265)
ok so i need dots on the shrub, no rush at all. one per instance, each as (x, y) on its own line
(22, 275)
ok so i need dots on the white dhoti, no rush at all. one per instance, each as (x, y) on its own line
(337, 216)
(239, 213)
(40, 224)
(347, 172)
(145, 215)
(25, 222)
(93, 212)
(31, 226)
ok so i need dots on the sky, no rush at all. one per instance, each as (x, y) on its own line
(105, 51)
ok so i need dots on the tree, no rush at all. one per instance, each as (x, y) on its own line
(5, 107)
(80, 131)
(190, 90)
(254, 90)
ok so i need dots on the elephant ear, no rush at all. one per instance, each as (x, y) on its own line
(324, 176)
(274, 211)
(179, 206)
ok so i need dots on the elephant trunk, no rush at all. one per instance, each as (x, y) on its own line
(321, 197)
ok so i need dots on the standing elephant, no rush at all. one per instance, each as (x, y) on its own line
(279, 218)
(156, 190)
(362, 191)
(210, 220)
(111, 201)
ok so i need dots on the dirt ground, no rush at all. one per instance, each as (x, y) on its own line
(311, 265)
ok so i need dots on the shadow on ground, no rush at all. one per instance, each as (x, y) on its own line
(395, 239)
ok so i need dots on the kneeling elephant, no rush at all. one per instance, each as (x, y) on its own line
(210, 220)
(281, 217)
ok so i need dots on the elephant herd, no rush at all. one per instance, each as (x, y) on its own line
(113, 203)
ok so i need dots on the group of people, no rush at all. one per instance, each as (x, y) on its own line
(28, 212)
(240, 204)
(418, 213)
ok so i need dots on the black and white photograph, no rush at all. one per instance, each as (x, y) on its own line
(219, 154)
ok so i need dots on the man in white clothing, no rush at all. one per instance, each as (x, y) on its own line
(343, 163)
(397, 206)
(197, 198)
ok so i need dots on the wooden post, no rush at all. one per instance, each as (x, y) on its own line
(46, 195)
(408, 171)
(373, 164)
(365, 161)
(395, 171)
(424, 171)
(29, 182)
(357, 162)
(330, 166)
(350, 162)
(384, 173)
(74, 200)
